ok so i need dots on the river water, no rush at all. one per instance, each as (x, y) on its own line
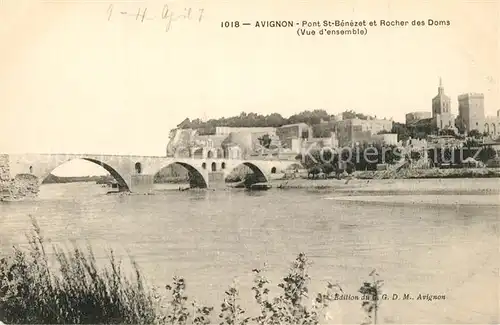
(427, 243)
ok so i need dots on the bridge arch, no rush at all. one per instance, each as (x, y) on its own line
(195, 176)
(116, 175)
(257, 171)
(122, 183)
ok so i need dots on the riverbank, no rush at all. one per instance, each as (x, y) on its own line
(430, 173)
(431, 185)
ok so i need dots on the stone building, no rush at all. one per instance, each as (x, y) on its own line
(352, 131)
(240, 145)
(470, 112)
(472, 117)
(187, 143)
(422, 124)
(441, 110)
(416, 116)
(289, 133)
(492, 125)
(386, 139)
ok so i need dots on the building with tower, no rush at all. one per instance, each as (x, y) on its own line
(471, 116)
(470, 112)
(422, 124)
(441, 110)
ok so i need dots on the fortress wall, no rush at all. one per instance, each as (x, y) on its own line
(4, 176)
(4, 168)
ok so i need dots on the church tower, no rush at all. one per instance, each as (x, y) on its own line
(441, 105)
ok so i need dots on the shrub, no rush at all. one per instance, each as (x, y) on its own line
(372, 291)
(77, 291)
(289, 307)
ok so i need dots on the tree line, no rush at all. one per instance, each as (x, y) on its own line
(367, 157)
(362, 157)
(313, 118)
(53, 179)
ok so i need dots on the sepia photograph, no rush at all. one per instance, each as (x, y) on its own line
(263, 162)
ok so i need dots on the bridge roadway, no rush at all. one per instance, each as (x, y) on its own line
(135, 173)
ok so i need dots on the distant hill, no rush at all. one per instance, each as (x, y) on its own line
(53, 179)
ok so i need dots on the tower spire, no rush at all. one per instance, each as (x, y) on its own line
(440, 88)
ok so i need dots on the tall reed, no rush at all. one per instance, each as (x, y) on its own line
(76, 291)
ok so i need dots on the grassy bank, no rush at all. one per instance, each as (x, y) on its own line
(76, 291)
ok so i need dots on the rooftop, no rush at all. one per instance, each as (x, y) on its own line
(471, 95)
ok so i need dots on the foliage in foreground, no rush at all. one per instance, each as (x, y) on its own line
(32, 292)
(78, 291)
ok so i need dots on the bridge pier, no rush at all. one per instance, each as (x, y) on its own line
(141, 183)
(216, 180)
(16, 187)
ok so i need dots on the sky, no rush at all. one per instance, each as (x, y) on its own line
(77, 77)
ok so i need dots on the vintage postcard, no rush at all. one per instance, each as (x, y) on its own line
(249, 162)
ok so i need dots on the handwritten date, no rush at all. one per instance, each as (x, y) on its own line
(167, 15)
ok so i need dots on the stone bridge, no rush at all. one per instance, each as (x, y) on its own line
(136, 173)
